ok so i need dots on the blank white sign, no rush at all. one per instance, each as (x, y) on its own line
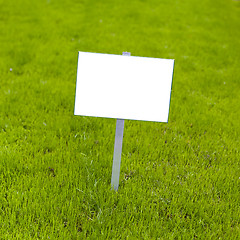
(123, 87)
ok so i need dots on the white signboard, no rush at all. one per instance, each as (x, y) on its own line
(123, 87)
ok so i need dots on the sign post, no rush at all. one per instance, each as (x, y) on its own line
(123, 87)
(117, 154)
(118, 149)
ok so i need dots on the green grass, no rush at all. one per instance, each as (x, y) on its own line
(179, 180)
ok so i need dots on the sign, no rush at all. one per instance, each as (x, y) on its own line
(123, 87)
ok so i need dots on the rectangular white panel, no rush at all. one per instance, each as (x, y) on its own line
(123, 87)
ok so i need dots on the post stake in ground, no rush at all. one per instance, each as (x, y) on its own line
(117, 154)
(118, 149)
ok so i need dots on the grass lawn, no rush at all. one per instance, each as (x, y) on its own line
(179, 180)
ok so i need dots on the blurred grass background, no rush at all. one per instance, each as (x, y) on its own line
(178, 180)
